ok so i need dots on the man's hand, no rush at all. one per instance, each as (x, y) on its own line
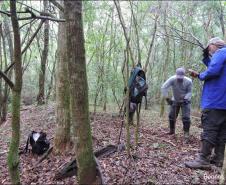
(186, 101)
(193, 73)
(169, 101)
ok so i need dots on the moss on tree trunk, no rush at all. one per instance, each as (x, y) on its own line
(13, 157)
(79, 92)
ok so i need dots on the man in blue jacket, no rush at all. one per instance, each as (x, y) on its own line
(213, 104)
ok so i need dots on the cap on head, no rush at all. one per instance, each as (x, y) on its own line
(180, 72)
(216, 41)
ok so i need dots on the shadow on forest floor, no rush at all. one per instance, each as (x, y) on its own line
(159, 158)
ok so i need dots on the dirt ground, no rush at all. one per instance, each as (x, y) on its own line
(159, 158)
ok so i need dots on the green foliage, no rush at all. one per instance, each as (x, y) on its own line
(184, 23)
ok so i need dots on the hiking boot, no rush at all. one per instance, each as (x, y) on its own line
(202, 161)
(198, 163)
(131, 118)
(186, 137)
(171, 132)
(172, 127)
(218, 157)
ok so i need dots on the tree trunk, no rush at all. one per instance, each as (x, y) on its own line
(52, 82)
(13, 155)
(137, 38)
(62, 136)
(41, 94)
(167, 59)
(96, 95)
(8, 36)
(222, 21)
(1, 66)
(127, 102)
(151, 44)
(122, 22)
(79, 92)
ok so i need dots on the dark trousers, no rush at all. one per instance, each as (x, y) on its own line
(214, 126)
(186, 109)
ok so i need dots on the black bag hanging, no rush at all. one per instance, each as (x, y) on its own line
(137, 85)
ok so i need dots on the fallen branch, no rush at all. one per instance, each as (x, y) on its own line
(24, 109)
(99, 172)
(44, 156)
(168, 142)
(71, 168)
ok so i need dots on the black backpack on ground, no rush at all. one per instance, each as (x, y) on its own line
(38, 141)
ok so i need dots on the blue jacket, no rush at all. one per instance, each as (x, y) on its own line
(214, 77)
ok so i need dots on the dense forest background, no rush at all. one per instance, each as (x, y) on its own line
(64, 66)
(163, 36)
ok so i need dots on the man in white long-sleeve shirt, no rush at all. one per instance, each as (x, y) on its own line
(181, 99)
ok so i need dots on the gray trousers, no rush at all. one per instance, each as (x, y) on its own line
(214, 126)
(174, 111)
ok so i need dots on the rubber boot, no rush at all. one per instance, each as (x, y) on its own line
(131, 118)
(218, 157)
(186, 137)
(172, 127)
(202, 161)
(186, 127)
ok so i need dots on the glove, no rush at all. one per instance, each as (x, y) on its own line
(193, 73)
(169, 101)
(185, 102)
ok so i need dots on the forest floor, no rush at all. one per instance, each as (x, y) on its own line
(159, 158)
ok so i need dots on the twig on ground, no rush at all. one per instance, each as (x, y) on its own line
(168, 142)
(45, 155)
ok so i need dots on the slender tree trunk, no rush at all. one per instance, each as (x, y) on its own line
(7, 34)
(1, 66)
(62, 136)
(151, 44)
(137, 125)
(222, 21)
(167, 57)
(115, 97)
(41, 94)
(79, 92)
(137, 39)
(13, 155)
(122, 22)
(127, 103)
(96, 94)
(52, 81)
(105, 100)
